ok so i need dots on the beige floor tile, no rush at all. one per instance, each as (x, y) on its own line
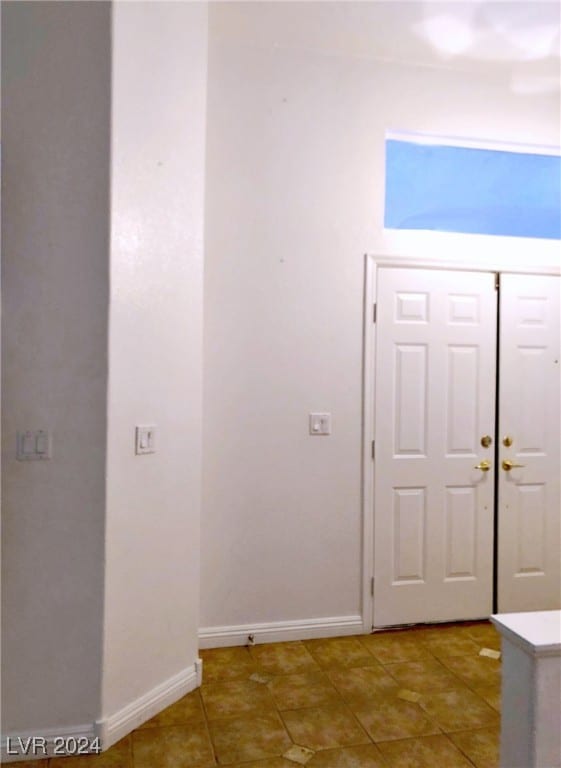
(32, 764)
(188, 709)
(458, 710)
(273, 762)
(283, 658)
(324, 727)
(236, 699)
(427, 752)
(178, 746)
(117, 756)
(362, 684)
(475, 671)
(249, 738)
(339, 652)
(446, 642)
(310, 689)
(366, 756)
(390, 718)
(484, 634)
(436, 630)
(421, 676)
(221, 664)
(491, 694)
(481, 746)
(393, 647)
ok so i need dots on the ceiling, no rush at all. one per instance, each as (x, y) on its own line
(522, 38)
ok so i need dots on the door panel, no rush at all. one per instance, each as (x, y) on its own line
(435, 394)
(461, 425)
(461, 533)
(529, 532)
(409, 530)
(410, 429)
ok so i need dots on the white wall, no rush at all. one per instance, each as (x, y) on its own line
(155, 350)
(56, 62)
(295, 188)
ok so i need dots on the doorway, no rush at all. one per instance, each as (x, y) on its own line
(466, 451)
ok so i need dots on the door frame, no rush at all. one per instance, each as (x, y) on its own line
(371, 265)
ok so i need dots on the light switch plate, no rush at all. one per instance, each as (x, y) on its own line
(320, 423)
(145, 439)
(34, 445)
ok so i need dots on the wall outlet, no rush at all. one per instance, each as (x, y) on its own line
(320, 423)
(145, 439)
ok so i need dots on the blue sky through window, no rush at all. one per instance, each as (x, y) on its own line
(481, 191)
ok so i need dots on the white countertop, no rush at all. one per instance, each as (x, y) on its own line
(536, 632)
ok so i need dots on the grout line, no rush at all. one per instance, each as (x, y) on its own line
(206, 722)
(460, 750)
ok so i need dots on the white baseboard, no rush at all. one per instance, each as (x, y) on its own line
(41, 743)
(112, 728)
(278, 631)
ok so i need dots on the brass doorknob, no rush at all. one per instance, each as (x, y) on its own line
(486, 441)
(484, 465)
(507, 465)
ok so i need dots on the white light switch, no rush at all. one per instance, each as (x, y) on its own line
(145, 441)
(28, 443)
(33, 445)
(320, 423)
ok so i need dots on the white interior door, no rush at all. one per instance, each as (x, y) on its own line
(435, 401)
(529, 577)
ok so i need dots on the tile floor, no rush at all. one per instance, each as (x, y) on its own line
(416, 698)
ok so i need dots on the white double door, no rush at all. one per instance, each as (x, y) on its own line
(467, 377)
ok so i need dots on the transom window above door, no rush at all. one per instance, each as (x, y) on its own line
(437, 184)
